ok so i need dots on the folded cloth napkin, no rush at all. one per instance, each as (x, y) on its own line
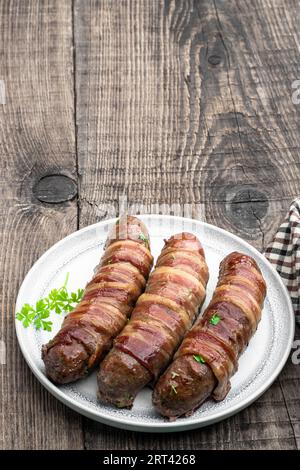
(284, 254)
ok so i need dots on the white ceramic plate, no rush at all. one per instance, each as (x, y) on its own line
(79, 253)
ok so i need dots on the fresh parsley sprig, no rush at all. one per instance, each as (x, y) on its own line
(199, 358)
(58, 301)
(144, 239)
(215, 319)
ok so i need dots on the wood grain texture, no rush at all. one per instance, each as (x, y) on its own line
(160, 122)
(182, 102)
(37, 137)
(179, 106)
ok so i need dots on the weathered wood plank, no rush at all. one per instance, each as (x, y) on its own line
(289, 381)
(189, 102)
(250, 111)
(36, 139)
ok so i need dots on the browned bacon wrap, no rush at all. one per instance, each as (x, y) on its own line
(208, 355)
(162, 315)
(87, 332)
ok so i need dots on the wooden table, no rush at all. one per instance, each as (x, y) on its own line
(164, 103)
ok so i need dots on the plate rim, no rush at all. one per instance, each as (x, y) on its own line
(164, 426)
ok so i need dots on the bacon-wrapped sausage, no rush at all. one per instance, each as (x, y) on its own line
(208, 355)
(167, 309)
(87, 332)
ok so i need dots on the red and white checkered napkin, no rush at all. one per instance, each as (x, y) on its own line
(284, 254)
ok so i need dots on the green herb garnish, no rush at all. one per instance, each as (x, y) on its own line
(174, 374)
(199, 358)
(143, 237)
(215, 319)
(173, 389)
(58, 301)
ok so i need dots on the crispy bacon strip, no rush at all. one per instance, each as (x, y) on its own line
(87, 332)
(162, 315)
(216, 341)
(240, 284)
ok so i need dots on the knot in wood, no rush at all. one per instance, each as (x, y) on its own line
(248, 207)
(55, 189)
(214, 59)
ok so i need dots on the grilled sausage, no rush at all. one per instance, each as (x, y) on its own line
(87, 332)
(162, 315)
(208, 355)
